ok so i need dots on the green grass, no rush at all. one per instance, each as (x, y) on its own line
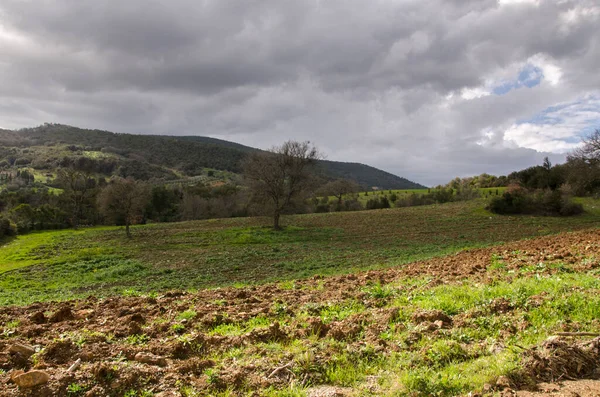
(203, 254)
(363, 197)
(481, 346)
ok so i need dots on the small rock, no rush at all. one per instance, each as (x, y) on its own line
(487, 388)
(151, 359)
(24, 350)
(31, 379)
(439, 323)
(16, 373)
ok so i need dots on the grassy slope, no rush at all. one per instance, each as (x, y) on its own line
(190, 255)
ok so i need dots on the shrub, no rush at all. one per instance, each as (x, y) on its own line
(7, 228)
(570, 208)
(518, 200)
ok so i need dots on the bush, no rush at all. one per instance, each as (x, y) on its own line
(7, 228)
(518, 200)
(378, 203)
(570, 208)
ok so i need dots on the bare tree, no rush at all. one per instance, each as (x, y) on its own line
(340, 188)
(590, 150)
(124, 200)
(278, 177)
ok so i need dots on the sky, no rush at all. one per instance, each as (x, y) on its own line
(425, 89)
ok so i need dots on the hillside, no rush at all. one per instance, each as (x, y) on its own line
(50, 146)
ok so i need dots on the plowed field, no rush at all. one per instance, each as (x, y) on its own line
(444, 326)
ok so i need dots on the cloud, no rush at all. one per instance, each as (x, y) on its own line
(427, 89)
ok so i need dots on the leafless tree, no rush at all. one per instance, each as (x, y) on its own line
(280, 176)
(338, 189)
(124, 200)
(590, 150)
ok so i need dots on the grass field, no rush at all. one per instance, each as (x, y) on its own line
(363, 197)
(64, 264)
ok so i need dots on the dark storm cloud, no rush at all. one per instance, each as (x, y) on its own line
(400, 84)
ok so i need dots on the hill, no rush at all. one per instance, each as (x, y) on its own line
(150, 156)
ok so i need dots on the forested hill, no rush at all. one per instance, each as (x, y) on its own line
(150, 156)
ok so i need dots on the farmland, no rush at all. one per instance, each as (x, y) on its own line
(433, 300)
(190, 255)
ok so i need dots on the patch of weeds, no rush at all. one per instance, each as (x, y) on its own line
(187, 315)
(497, 263)
(188, 340)
(227, 330)
(279, 309)
(429, 383)
(341, 311)
(178, 328)
(344, 371)
(186, 390)
(378, 291)
(75, 389)
(258, 321)
(287, 285)
(212, 376)
(137, 340)
(443, 352)
(10, 328)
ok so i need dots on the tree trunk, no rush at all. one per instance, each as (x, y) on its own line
(276, 216)
(127, 228)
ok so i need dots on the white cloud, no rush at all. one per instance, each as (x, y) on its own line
(552, 73)
(474, 93)
(513, 2)
(558, 128)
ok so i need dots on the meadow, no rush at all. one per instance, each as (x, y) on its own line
(400, 194)
(66, 264)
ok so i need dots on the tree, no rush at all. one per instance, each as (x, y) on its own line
(79, 189)
(124, 201)
(590, 150)
(280, 176)
(583, 165)
(339, 188)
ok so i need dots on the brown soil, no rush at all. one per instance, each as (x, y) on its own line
(579, 388)
(116, 330)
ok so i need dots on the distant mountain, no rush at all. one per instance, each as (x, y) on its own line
(154, 156)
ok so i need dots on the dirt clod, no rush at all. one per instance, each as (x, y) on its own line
(557, 359)
(38, 318)
(431, 316)
(60, 352)
(151, 359)
(62, 314)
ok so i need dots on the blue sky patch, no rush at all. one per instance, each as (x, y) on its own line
(530, 76)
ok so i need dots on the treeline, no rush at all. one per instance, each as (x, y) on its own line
(85, 200)
(581, 175)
